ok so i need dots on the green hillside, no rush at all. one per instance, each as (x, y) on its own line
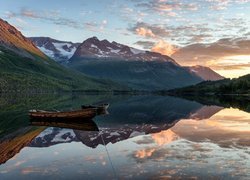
(140, 75)
(239, 85)
(19, 73)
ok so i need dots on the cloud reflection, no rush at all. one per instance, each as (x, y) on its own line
(164, 137)
(227, 128)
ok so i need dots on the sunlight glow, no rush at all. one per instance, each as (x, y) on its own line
(232, 66)
(229, 120)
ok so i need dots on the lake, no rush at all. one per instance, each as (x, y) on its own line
(142, 137)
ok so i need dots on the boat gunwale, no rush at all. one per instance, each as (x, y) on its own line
(91, 112)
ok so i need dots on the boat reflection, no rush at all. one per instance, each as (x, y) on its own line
(115, 133)
(76, 124)
(12, 143)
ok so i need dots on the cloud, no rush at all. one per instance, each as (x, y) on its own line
(223, 4)
(29, 13)
(21, 21)
(104, 22)
(198, 32)
(96, 27)
(50, 16)
(159, 46)
(239, 66)
(9, 14)
(164, 48)
(144, 32)
(128, 13)
(176, 24)
(164, 137)
(161, 6)
(145, 44)
(199, 37)
(201, 52)
(177, 5)
(228, 128)
(219, 4)
(55, 17)
(144, 153)
(147, 30)
(225, 54)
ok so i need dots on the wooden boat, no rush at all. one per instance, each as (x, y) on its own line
(101, 108)
(87, 113)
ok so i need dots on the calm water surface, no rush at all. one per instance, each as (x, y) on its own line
(142, 137)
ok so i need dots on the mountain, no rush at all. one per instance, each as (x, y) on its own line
(239, 85)
(24, 67)
(94, 48)
(137, 69)
(135, 61)
(52, 136)
(205, 73)
(60, 51)
(12, 39)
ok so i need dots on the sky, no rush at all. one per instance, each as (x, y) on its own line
(213, 33)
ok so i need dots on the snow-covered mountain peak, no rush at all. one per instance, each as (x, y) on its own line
(60, 51)
(95, 48)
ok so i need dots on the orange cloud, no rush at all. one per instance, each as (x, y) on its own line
(144, 153)
(144, 32)
(166, 7)
(229, 57)
(30, 170)
(164, 137)
(164, 48)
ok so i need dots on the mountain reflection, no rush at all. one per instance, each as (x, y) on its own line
(135, 116)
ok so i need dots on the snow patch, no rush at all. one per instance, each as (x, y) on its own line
(47, 51)
(137, 51)
(68, 54)
(113, 50)
(45, 132)
(136, 133)
(94, 46)
(58, 137)
(114, 134)
(93, 138)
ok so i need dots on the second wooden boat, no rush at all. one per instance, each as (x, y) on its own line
(101, 108)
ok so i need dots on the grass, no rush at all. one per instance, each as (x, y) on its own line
(24, 74)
